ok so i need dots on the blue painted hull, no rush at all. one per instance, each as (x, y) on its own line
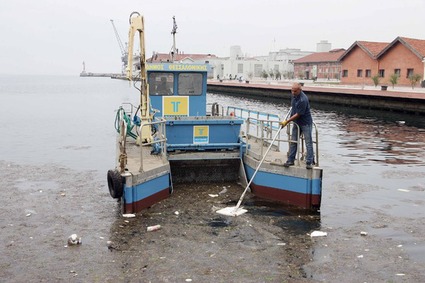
(302, 191)
(143, 195)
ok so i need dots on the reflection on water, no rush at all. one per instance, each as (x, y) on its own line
(371, 140)
(387, 138)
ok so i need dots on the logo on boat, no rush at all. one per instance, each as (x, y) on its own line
(201, 134)
(175, 105)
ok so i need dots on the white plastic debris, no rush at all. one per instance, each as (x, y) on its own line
(153, 228)
(213, 195)
(223, 191)
(29, 212)
(74, 240)
(176, 213)
(129, 215)
(403, 190)
(363, 233)
(318, 234)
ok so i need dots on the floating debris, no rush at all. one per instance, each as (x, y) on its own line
(403, 190)
(213, 195)
(363, 233)
(153, 228)
(129, 215)
(110, 245)
(176, 212)
(223, 191)
(74, 240)
(318, 234)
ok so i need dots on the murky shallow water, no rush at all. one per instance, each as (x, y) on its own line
(58, 142)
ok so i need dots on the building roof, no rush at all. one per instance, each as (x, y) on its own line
(369, 47)
(417, 46)
(319, 57)
(163, 57)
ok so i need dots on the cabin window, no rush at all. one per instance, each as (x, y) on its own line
(359, 73)
(368, 73)
(409, 73)
(344, 73)
(161, 83)
(381, 73)
(397, 72)
(190, 84)
(240, 68)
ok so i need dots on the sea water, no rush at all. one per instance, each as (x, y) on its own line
(373, 161)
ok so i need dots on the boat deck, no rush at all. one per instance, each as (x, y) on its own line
(140, 159)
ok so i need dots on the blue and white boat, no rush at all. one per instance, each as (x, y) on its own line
(174, 136)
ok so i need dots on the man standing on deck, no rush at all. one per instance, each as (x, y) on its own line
(301, 116)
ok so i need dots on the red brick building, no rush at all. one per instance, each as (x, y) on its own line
(320, 65)
(363, 60)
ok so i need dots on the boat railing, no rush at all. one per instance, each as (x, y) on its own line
(254, 116)
(263, 131)
(129, 108)
(158, 141)
(215, 109)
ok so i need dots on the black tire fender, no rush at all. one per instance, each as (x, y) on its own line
(115, 183)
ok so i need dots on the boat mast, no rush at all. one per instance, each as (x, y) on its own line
(173, 32)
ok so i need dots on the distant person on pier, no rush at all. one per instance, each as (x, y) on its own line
(301, 116)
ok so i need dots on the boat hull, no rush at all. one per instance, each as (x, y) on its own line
(294, 185)
(139, 195)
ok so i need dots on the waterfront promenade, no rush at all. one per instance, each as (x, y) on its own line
(399, 98)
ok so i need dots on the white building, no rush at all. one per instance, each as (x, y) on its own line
(239, 66)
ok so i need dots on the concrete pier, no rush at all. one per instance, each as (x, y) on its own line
(400, 99)
(90, 74)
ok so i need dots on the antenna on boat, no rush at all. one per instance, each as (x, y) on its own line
(173, 32)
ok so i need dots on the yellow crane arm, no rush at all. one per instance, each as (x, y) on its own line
(137, 25)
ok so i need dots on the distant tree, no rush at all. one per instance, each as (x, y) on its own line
(277, 75)
(300, 74)
(414, 79)
(250, 75)
(376, 80)
(264, 75)
(394, 79)
(289, 75)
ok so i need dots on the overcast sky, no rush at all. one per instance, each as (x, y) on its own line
(56, 36)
